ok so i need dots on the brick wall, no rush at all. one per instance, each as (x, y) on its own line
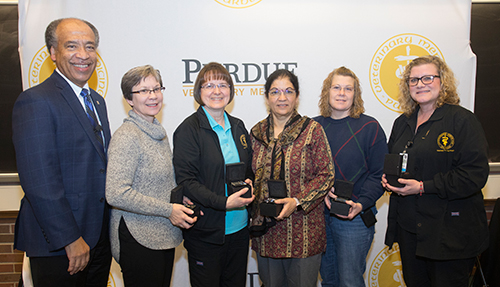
(11, 260)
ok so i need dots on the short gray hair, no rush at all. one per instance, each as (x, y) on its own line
(135, 75)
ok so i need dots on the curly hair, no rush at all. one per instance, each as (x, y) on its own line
(357, 107)
(447, 94)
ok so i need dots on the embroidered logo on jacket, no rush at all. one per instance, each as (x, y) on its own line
(243, 141)
(446, 141)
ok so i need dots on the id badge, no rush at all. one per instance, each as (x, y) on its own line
(404, 162)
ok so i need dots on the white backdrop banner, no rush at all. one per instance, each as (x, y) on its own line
(253, 38)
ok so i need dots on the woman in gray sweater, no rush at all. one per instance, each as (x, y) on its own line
(140, 177)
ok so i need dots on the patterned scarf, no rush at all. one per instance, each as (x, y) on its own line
(263, 132)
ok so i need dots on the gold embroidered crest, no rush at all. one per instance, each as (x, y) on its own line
(446, 141)
(243, 141)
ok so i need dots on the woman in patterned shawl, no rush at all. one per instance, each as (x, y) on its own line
(291, 148)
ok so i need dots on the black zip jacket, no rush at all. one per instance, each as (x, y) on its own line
(449, 154)
(200, 168)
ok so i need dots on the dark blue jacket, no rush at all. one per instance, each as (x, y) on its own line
(62, 168)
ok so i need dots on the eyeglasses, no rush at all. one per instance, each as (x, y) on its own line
(146, 92)
(426, 80)
(211, 86)
(338, 89)
(276, 92)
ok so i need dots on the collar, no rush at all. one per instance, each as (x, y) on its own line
(213, 123)
(436, 116)
(155, 130)
(75, 88)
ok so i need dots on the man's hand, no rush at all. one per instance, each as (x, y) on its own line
(78, 253)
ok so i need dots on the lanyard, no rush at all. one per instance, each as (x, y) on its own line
(404, 162)
(408, 145)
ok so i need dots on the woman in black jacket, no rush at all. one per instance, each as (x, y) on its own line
(204, 144)
(438, 215)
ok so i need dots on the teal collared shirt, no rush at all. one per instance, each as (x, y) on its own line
(236, 219)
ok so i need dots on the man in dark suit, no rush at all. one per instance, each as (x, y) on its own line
(60, 133)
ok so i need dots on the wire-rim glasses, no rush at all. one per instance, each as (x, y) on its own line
(212, 86)
(277, 92)
(145, 92)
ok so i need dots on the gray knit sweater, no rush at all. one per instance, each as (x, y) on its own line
(139, 179)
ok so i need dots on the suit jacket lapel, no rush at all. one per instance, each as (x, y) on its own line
(69, 95)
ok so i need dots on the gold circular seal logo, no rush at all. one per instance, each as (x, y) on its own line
(42, 66)
(243, 141)
(386, 269)
(389, 62)
(238, 4)
(111, 281)
(446, 141)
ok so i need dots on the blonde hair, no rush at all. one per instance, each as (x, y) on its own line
(447, 94)
(357, 107)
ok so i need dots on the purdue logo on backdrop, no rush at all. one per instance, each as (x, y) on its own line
(238, 4)
(42, 66)
(389, 62)
(386, 269)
